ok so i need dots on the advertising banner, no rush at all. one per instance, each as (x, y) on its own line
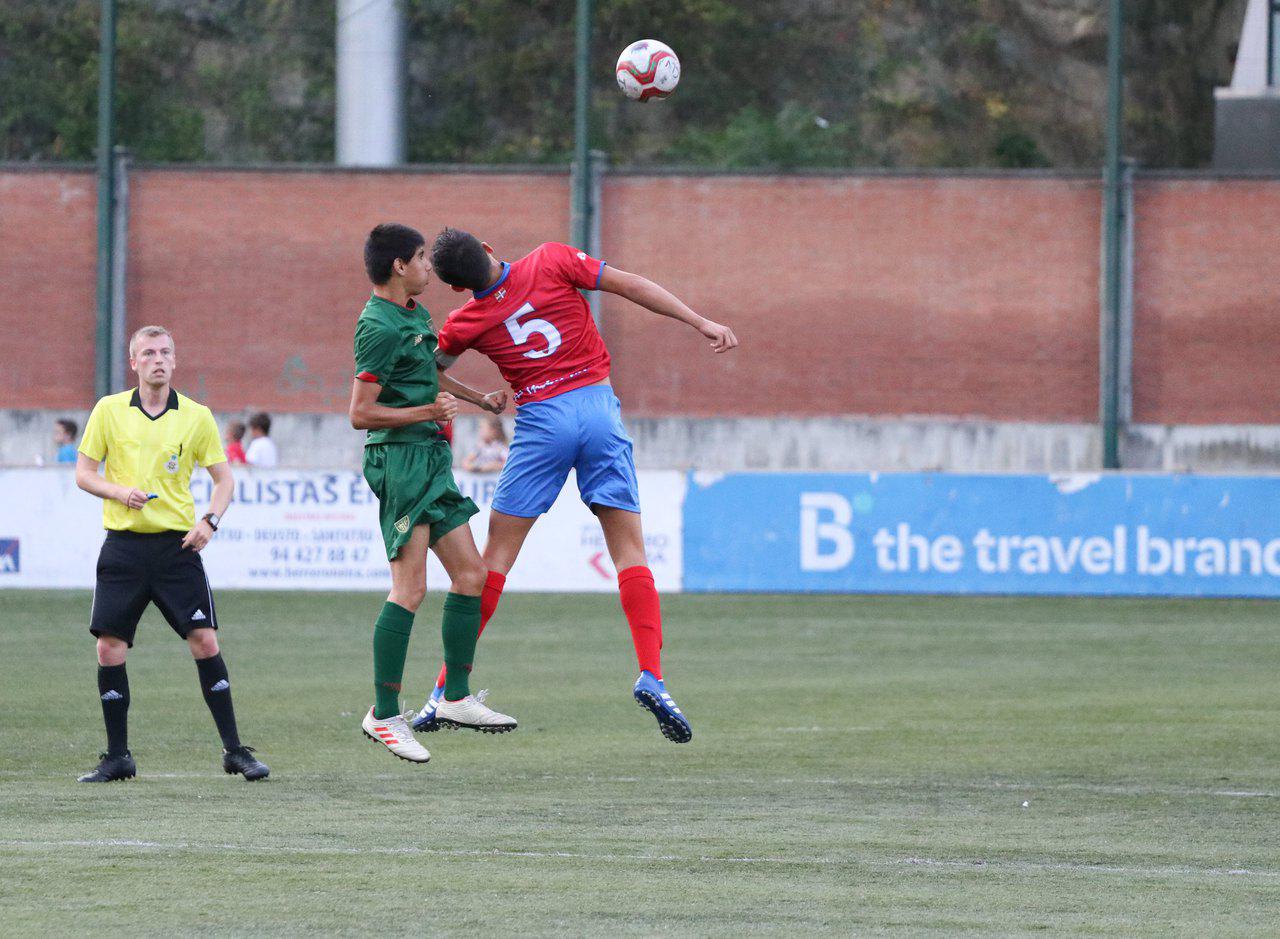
(941, 533)
(315, 530)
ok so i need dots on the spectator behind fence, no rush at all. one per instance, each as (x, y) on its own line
(64, 438)
(235, 448)
(490, 455)
(262, 449)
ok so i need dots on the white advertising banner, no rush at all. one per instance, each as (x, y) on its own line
(316, 530)
(50, 531)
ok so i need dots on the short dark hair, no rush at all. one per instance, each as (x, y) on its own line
(68, 425)
(235, 430)
(261, 421)
(386, 244)
(459, 259)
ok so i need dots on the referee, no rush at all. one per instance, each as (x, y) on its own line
(152, 438)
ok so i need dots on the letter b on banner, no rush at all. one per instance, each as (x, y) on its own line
(826, 544)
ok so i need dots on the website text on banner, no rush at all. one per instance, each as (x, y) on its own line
(313, 530)
(1211, 536)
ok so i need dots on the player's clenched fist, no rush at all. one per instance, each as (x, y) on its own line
(445, 407)
(495, 402)
(722, 337)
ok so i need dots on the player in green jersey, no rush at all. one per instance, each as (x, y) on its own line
(397, 398)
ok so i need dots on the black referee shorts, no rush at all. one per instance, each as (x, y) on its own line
(136, 569)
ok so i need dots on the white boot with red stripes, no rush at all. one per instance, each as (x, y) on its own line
(395, 735)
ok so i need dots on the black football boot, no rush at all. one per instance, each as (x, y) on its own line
(241, 760)
(112, 768)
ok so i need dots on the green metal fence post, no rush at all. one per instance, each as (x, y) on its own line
(598, 160)
(119, 269)
(1112, 224)
(580, 221)
(106, 192)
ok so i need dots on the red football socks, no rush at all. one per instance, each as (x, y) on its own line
(489, 598)
(644, 616)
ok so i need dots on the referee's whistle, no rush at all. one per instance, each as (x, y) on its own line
(152, 495)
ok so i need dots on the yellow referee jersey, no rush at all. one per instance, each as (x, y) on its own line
(154, 454)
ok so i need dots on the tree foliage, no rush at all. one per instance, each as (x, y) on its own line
(218, 80)
(768, 83)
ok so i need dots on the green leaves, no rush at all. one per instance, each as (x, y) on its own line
(209, 81)
(771, 83)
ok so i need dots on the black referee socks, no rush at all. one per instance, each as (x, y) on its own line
(216, 688)
(113, 688)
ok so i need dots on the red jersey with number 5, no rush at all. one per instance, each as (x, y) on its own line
(535, 325)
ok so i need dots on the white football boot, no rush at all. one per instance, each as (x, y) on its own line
(394, 734)
(473, 713)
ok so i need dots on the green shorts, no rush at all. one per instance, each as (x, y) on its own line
(415, 486)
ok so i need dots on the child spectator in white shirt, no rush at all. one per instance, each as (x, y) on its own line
(490, 455)
(262, 449)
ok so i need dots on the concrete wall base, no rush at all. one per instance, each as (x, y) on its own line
(830, 444)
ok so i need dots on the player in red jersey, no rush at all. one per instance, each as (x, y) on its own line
(529, 317)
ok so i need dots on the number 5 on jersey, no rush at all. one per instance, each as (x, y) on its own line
(522, 332)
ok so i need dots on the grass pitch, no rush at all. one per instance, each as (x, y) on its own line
(859, 766)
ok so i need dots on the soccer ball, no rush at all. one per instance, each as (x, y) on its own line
(648, 69)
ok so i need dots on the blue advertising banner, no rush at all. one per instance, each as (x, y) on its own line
(1210, 536)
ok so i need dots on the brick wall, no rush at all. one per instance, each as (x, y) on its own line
(261, 276)
(869, 295)
(883, 295)
(1207, 301)
(48, 257)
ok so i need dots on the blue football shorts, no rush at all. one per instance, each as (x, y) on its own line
(579, 430)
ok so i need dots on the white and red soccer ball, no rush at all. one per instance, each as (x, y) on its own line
(648, 69)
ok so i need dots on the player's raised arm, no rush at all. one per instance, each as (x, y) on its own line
(658, 299)
(495, 402)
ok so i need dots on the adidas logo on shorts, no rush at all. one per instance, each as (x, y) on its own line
(198, 615)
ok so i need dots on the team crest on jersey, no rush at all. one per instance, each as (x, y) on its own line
(417, 340)
(582, 255)
(402, 525)
(172, 465)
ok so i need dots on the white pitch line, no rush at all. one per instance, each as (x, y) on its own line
(824, 730)
(1073, 867)
(1174, 871)
(1029, 788)
(925, 784)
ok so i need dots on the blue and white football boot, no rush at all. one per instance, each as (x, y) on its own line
(425, 721)
(651, 694)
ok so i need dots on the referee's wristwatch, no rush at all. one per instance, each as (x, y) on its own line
(213, 519)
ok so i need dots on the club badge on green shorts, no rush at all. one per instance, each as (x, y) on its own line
(402, 525)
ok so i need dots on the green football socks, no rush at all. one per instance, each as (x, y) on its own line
(390, 646)
(461, 630)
